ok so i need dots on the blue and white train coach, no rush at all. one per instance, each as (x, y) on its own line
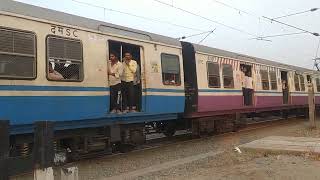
(32, 38)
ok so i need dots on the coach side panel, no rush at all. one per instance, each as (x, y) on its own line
(214, 94)
(25, 100)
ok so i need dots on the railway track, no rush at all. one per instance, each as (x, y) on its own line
(183, 136)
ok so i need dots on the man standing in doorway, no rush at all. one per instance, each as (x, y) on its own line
(114, 72)
(249, 88)
(243, 79)
(129, 71)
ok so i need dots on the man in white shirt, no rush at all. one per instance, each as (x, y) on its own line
(249, 88)
(114, 73)
(242, 80)
(129, 72)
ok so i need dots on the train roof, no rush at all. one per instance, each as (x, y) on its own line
(65, 18)
(219, 52)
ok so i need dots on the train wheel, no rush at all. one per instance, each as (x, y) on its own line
(169, 129)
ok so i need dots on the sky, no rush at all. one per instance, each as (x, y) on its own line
(239, 21)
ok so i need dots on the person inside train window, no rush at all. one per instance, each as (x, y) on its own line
(53, 74)
(114, 74)
(170, 79)
(129, 71)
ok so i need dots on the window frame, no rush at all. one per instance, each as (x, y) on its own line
(35, 64)
(262, 80)
(82, 73)
(273, 80)
(219, 77)
(179, 64)
(223, 76)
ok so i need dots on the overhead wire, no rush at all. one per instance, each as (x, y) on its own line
(206, 36)
(198, 34)
(273, 19)
(205, 18)
(258, 16)
(234, 8)
(141, 17)
(280, 35)
(297, 13)
(295, 27)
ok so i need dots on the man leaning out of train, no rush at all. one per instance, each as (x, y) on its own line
(129, 71)
(114, 72)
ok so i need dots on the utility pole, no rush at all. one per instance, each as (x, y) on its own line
(311, 101)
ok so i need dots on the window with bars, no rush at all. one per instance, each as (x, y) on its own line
(213, 75)
(318, 84)
(17, 54)
(302, 84)
(296, 82)
(264, 79)
(227, 73)
(64, 59)
(273, 80)
(170, 66)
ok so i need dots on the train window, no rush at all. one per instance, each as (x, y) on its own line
(17, 54)
(213, 75)
(296, 82)
(64, 59)
(318, 84)
(273, 80)
(170, 69)
(227, 73)
(303, 88)
(264, 79)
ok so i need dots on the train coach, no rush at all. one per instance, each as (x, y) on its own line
(214, 90)
(183, 85)
(34, 39)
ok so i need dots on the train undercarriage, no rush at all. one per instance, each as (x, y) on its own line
(76, 144)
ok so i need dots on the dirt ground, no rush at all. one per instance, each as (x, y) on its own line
(231, 165)
(180, 160)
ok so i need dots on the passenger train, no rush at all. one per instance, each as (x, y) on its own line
(183, 85)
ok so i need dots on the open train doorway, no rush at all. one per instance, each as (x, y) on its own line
(247, 84)
(285, 87)
(129, 98)
(309, 79)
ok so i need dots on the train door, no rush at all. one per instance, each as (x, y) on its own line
(285, 87)
(247, 84)
(120, 49)
(190, 77)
